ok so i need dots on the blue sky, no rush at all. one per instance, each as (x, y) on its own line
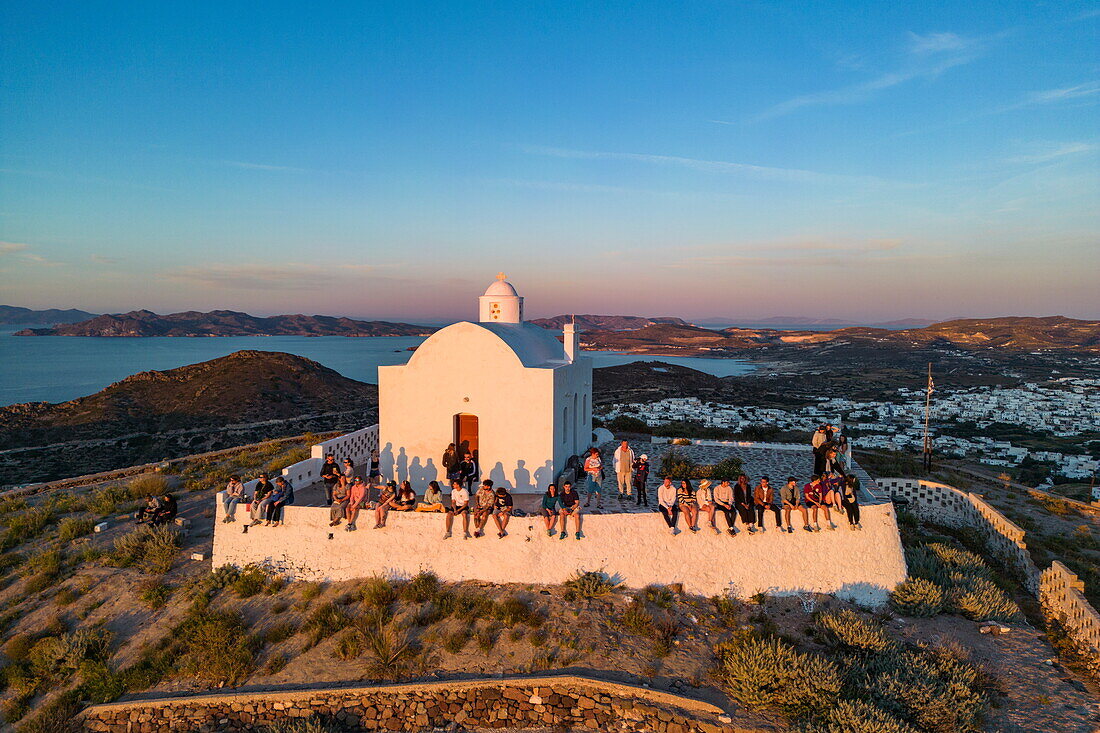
(732, 159)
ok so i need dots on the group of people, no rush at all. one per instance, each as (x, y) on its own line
(741, 501)
(631, 475)
(157, 510)
(265, 506)
(831, 450)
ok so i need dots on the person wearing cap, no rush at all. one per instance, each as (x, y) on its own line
(484, 501)
(433, 499)
(357, 498)
(460, 504)
(641, 476)
(704, 499)
(666, 503)
(257, 508)
(502, 511)
(723, 502)
(791, 497)
(763, 497)
(624, 469)
(386, 501)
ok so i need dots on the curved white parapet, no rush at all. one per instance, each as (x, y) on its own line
(862, 566)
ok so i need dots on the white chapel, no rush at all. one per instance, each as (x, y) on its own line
(507, 390)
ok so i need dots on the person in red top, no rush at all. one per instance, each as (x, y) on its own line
(814, 495)
(593, 467)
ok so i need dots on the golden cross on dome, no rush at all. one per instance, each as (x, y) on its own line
(500, 276)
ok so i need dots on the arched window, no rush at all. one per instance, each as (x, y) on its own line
(565, 425)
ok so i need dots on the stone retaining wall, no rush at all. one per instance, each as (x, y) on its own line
(1062, 596)
(559, 702)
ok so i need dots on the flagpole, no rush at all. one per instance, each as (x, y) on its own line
(927, 411)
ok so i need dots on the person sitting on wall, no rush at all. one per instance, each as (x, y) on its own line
(641, 475)
(813, 494)
(484, 501)
(685, 499)
(281, 496)
(234, 492)
(743, 500)
(357, 498)
(460, 504)
(386, 500)
(666, 502)
(849, 499)
(723, 501)
(570, 507)
(257, 508)
(551, 507)
(466, 471)
(830, 489)
(148, 510)
(704, 499)
(166, 510)
(791, 497)
(341, 494)
(502, 511)
(405, 501)
(763, 498)
(433, 499)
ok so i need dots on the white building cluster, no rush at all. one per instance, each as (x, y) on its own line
(1068, 407)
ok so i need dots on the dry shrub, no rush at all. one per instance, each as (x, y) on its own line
(770, 674)
(848, 630)
(918, 597)
(855, 716)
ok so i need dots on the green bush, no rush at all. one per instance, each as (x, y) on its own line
(376, 592)
(591, 584)
(513, 610)
(325, 621)
(147, 484)
(251, 580)
(307, 725)
(57, 657)
(931, 688)
(727, 608)
(99, 683)
(848, 630)
(155, 594)
(390, 654)
(487, 638)
(980, 599)
(918, 597)
(216, 648)
(637, 619)
(964, 580)
(24, 526)
(855, 716)
(349, 645)
(677, 466)
(153, 549)
(55, 716)
(770, 674)
(423, 587)
(70, 528)
(105, 501)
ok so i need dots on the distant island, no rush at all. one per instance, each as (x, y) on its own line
(14, 315)
(224, 323)
(614, 323)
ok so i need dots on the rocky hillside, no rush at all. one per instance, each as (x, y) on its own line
(225, 323)
(244, 387)
(610, 323)
(11, 314)
(1021, 334)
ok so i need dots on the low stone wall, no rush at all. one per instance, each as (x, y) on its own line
(562, 703)
(1062, 597)
(944, 504)
(864, 566)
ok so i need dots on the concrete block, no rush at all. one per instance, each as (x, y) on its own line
(102, 527)
(199, 556)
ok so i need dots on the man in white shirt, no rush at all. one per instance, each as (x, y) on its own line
(460, 504)
(666, 502)
(624, 469)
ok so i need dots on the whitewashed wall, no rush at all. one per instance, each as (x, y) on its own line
(861, 566)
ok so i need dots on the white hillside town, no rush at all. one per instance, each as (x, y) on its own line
(1065, 408)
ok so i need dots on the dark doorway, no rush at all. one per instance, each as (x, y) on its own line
(466, 433)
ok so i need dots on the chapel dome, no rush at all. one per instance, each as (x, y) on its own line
(501, 287)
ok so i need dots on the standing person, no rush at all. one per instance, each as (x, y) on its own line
(386, 501)
(850, 501)
(460, 504)
(338, 509)
(819, 439)
(844, 453)
(330, 472)
(593, 469)
(550, 508)
(349, 470)
(624, 469)
(743, 500)
(234, 492)
(570, 507)
(484, 500)
(641, 476)
(763, 497)
(813, 494)
(450, 459)
(502, 511)
(724, 502)
(704, 499)
(433, 499)
(375, 475)
(791, 497)
(260, 492)
(357, 497)
(666, 502)
(685, 499)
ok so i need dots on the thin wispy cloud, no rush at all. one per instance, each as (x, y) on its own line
(1063, 94)
(289, 276)
(1048, 153)
(927, 56)
(794, 175)
(21, 252)
(9, 247)
(261, 166)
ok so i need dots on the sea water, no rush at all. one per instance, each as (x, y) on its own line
(60, 368)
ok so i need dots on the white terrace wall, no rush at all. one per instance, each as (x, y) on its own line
(862, 566)
(949, 506)
(355, 445)
(1062, 596)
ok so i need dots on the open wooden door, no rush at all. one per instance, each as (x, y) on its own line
(466, 433)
